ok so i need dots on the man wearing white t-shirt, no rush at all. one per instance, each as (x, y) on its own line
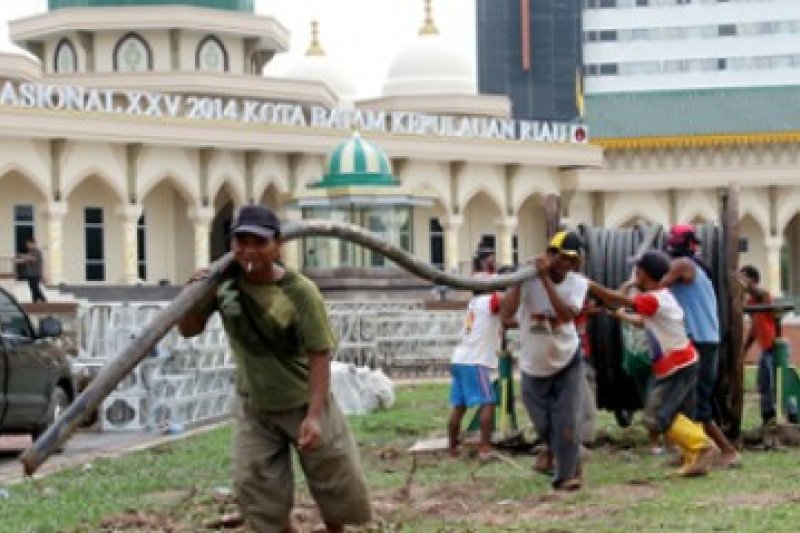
(671, 399)
(550, 358)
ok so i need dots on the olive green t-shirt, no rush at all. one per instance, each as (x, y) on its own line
(291, 316)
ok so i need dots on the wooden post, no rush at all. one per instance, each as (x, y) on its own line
(734, 300)
(552, 206)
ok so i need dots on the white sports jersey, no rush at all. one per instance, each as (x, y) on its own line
(482, 335)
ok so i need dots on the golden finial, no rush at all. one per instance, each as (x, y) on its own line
(429, 26)
(315, 49)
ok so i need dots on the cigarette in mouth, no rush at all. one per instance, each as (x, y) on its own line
(249, 266)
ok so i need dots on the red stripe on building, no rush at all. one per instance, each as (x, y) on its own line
(525, 19)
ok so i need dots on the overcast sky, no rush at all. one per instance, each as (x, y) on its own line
(361, 35)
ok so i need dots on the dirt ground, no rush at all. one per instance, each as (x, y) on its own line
(443, 502)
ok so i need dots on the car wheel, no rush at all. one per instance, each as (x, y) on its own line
(58, 402)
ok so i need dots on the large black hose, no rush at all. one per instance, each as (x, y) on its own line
(609, 255)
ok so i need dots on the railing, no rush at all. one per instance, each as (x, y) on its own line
(8, 268)
(187, 381)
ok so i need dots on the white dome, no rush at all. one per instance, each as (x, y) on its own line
(322, 68)
(430, 66)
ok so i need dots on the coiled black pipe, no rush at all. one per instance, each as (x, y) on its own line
(609, 261)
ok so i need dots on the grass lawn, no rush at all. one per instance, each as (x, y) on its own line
(183, 486)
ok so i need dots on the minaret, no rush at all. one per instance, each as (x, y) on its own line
(315, 49)
(429, 26)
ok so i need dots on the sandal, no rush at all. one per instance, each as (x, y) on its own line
(569, 485)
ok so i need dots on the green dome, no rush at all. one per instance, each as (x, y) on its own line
(357, 162)
(231, 5)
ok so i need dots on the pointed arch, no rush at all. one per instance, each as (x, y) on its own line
(179, 185)
(92, 172)
(65, 58)
(231, 187)
(788, 209)
(16, 168)
(211, 55)
(127, 51)
(483, 192)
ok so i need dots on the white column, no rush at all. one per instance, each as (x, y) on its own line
(452, 230)
(773, 277)
(202, 218)
(54, 264)
(505, 243)
(291, 251)
(129, 214)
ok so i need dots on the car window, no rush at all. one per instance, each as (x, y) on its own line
(12, 319)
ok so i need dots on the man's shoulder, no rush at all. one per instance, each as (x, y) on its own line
(298, 285)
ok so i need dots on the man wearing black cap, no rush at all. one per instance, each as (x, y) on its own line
(670, 402)
(550, 355)
(280, 335)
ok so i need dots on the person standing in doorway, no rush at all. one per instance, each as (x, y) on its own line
(32, 267)
(281, 338)
(690, 282)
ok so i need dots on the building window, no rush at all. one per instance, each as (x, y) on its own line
(744, 245)
(23, 227)
(141, 248)
(608, 69)
(515, 250)
(95, 251)
(437, 243)
(608, 35)
(722, 64)
(601, 3)
(211, 55)
(726, 30)
(132, 54)
(66, 59)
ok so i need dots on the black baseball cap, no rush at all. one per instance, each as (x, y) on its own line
(256, 220)
(655, 263)
(567, 243)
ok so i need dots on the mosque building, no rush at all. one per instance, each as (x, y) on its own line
(132, 130)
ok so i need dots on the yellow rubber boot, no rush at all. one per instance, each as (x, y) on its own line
(698, 451)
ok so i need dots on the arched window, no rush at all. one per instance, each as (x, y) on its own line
(132, 54)
(211, 55)
(65, 59)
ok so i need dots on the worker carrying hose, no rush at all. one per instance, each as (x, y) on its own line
(670, 402)
(689, 280)
(550, 355)
(281, 338)
(475, 359)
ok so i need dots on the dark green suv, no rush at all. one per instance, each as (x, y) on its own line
(36, 381)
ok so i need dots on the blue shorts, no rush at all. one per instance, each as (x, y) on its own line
(471, 385)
